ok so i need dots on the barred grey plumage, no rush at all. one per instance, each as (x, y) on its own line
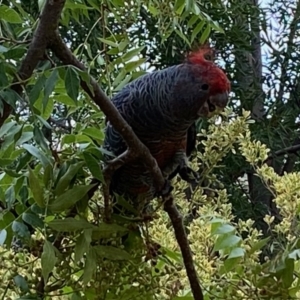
(160, 107)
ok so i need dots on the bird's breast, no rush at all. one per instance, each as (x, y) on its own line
(164, 150)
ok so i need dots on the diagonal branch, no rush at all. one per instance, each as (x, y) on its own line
(181, 237)
(135, 149)
(60, 49)
(48, 23)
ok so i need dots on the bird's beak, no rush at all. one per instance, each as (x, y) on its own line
(214, 105)
(219, 101)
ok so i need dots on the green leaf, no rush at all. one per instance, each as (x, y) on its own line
(18, 134)
(230, 264)
(197, 29)
(5, 128)
(72, 83)
(295, 254)
(5, 161)
(65, 180)
(23, 161)
(224, 242)
(108, 42)
(65, 99)
(68, 139)
(123, 83)
(44, 122)
(205, 34)
(182, 35)
(4, 82)
(48, 259)
(132, 65)
(70, 197)
(258, 245)
(112, 253)
(189, 5)
(90, 266)
(70, 225)
(236, 252)
(126, 204)
(83, 244)
(174, 255)
(179, 6)
(10, 15)
(10, 196)
(3, 235)
(3, 77)
(32, 220)
(105, 230)
(95, 133)
(36, 189)
(192, 21)
(25, 137)
(49, 87)
(11, 97)
(45, 111)
(120, 77)
(223, 229)
(39, 138)
(215, 25)
(36, 90)
(48, 175)
(132, 53)
(21, 283)
(38, 154)
(288, 273)
(93, 165)
(20, 229)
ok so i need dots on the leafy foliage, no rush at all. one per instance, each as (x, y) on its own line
(242, 218)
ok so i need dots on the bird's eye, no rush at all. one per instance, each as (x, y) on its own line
(204, 87)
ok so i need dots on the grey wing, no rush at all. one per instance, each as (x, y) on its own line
(123, 101)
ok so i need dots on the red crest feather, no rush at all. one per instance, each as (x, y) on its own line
(204, 54)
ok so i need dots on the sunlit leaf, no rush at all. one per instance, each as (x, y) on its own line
(10, 15)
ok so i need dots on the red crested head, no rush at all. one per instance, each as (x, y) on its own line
(213, 77)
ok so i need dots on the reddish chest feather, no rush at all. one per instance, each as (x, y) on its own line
(164, 150)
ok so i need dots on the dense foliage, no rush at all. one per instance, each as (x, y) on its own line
(243, 217)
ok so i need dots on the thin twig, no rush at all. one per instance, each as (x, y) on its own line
(11, 40)
(288, 150)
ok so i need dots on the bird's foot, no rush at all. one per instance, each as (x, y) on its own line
(189, 175)
(166, 190)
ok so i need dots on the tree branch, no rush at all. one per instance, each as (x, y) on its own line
(140, 150)
(182, 240)
(135, 149)
(48, 23)
(292, 149)
(46, 35)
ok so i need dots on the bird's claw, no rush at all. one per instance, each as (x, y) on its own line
(166, 190)
(189, 175)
